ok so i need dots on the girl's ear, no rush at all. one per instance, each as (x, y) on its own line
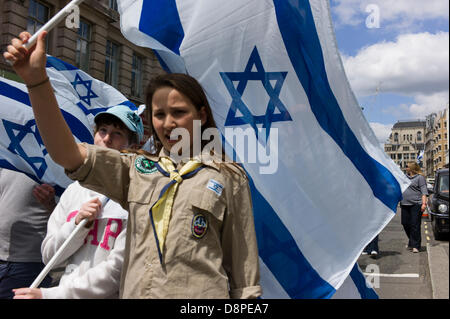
(203, 115)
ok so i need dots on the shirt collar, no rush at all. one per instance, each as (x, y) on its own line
(205, 158)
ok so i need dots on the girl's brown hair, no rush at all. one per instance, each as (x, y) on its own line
(190, 88)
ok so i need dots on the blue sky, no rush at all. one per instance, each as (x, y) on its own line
(396, 56)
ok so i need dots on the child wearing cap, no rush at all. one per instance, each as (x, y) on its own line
(93, 261)
(190, 232)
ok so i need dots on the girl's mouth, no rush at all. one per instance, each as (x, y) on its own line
(171, 140)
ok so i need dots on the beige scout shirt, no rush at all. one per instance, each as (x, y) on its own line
(223, 263)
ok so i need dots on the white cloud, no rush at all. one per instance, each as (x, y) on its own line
(427, 104)
(382, 131)
(415, 64)
(398, 13)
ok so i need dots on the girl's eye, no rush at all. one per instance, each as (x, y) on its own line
(180, 112)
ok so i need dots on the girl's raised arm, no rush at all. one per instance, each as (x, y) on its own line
(56, 134)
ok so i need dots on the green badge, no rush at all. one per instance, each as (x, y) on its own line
(144, 165)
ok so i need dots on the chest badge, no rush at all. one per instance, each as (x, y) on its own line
(144, 165)
(199, 226)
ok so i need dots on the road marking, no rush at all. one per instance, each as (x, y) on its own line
(392, 275)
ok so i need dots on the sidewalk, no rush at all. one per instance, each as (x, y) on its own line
(438, 261)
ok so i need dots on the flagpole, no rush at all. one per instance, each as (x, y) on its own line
(62, 249)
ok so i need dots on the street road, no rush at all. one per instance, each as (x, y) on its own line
(397, 273)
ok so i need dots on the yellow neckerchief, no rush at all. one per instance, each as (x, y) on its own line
(162, 209)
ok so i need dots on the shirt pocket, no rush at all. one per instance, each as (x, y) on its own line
(208, 202)
(200, 226)
(139, 200)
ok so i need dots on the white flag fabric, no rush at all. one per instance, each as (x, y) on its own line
(272, 69)
(79, 96)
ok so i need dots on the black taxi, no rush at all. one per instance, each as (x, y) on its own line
(438, 204)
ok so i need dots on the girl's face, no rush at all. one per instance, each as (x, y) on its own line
(170, 110)
(111, 136)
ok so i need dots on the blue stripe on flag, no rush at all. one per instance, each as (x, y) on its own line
(59, 65)
(279, 251)
(14, 93)
(160, 20)
(302, 43)
(78, 129)
(360, 282)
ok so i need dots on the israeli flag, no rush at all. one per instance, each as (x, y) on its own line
(420, 156)
(272, 69)
(79, 96)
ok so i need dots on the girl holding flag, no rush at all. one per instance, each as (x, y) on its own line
(190, 231)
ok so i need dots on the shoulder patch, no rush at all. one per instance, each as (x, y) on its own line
(144, 165)
(215, 186)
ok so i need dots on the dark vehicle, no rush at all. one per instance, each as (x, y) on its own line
(438, 204)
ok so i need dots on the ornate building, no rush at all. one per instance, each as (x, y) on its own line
(406, 142)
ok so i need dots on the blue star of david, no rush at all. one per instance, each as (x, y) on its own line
(273, 91)
(16, 133)
(87, 84)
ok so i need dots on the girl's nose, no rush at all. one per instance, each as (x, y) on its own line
(169, 122)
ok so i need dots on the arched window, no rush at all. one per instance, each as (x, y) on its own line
(419, 135)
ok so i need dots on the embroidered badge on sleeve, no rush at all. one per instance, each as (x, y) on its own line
(144, 165)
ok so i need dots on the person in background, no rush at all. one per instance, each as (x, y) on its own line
(413, 205)
(22, 229)
(93, 260)
(372, 247)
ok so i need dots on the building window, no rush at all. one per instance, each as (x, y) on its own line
(396, 137)
(113, 4)
(37, 16)
(112, 63)
(406, 148)
(393, 156)
(136, 76)
(83, 41)
(419, 136)
(406, 156)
